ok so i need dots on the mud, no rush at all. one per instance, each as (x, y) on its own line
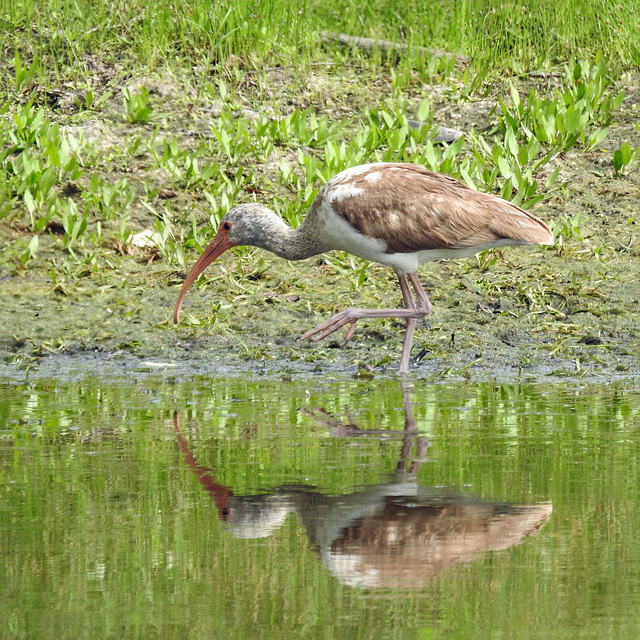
(570, 311)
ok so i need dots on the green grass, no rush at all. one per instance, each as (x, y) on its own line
(56, 36)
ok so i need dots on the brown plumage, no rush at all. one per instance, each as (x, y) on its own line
(396, 206)
(399, 215)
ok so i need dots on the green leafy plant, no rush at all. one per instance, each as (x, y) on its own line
(24, 75)
(75, 224)
(232, 137)
(625, 158)
(30, 250)
(136, 106)
(38, 158)
(110, 200)
(569, 227)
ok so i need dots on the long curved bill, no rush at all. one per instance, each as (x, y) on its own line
(216, 248)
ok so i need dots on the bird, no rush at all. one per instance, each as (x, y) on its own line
(396, 214)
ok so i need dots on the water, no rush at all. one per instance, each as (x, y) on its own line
(150, 507)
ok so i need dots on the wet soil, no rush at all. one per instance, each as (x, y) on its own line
(564, 311)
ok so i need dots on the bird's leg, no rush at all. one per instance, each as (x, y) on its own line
(406, 294)
(410, 322)
(413, 310)
(406, 345)
(423, 299)
(423, 305)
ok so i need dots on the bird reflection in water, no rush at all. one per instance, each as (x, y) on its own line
(393, 534)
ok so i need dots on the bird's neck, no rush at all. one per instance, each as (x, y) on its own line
(286, 242)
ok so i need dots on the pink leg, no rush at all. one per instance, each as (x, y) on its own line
(423, 306)
(412, 311)
(409, 303)
(406, 345)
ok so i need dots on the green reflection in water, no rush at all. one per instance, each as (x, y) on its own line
(113, 526)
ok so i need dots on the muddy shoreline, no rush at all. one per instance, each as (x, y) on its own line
(563, 312)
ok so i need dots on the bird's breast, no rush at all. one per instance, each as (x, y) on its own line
(334, 233)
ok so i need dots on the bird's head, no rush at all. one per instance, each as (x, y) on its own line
(245, 224)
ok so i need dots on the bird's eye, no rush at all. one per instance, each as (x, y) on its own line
(227, 226)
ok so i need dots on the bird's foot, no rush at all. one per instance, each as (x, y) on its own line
(350, 316)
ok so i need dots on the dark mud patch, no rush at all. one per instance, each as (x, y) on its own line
(119, 365)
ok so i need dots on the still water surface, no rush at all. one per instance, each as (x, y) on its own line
(212, 508)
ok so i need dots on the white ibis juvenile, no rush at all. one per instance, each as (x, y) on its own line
(399, 215)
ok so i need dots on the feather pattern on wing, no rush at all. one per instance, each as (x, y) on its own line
(413, 209)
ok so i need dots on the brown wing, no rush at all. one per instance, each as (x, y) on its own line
(414, 209)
